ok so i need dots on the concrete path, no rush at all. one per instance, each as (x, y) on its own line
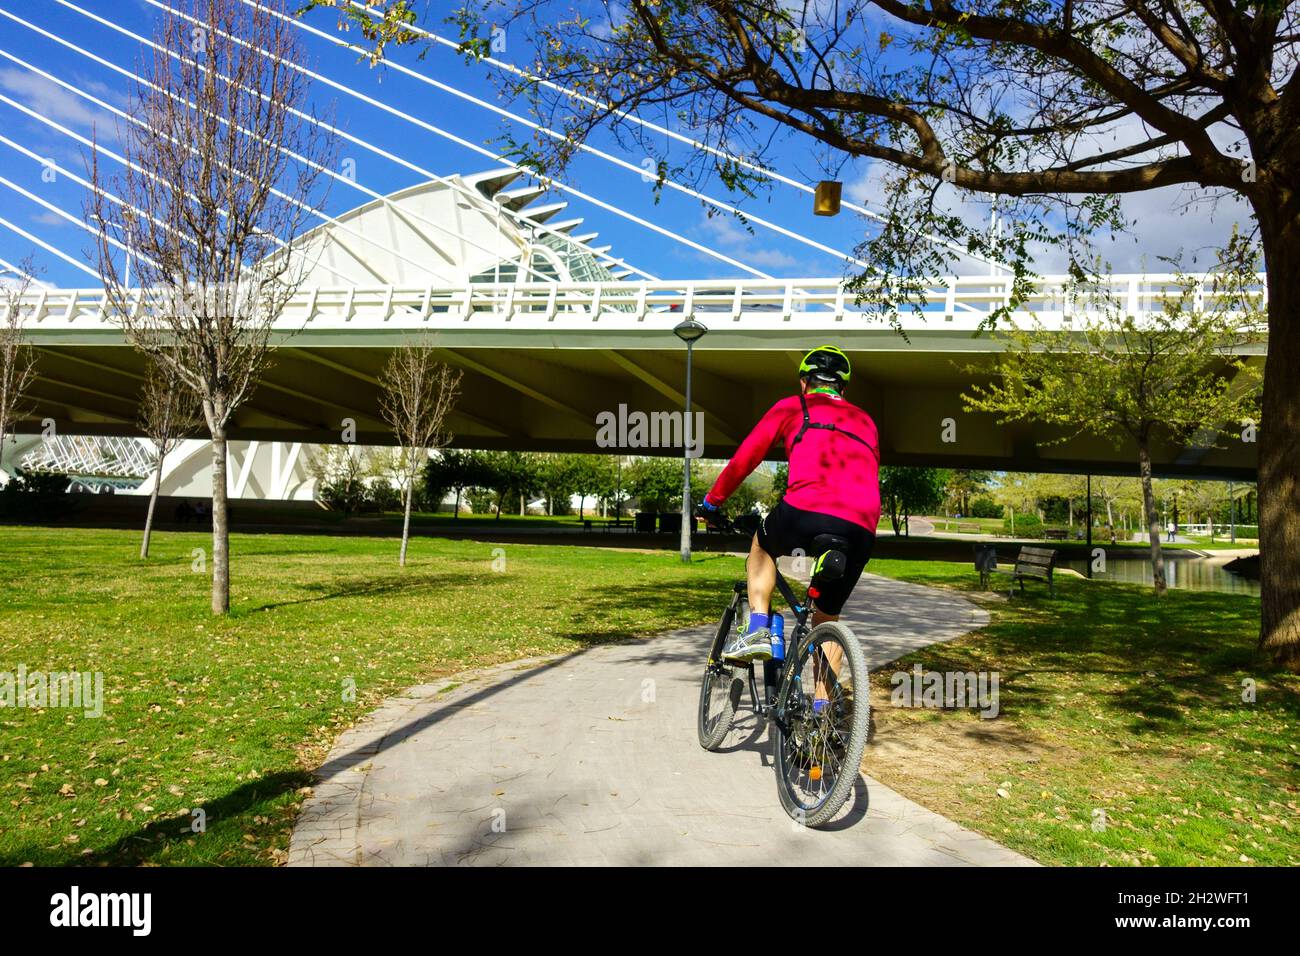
(592, 759)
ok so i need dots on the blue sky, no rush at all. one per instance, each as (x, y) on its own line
(1165, 228)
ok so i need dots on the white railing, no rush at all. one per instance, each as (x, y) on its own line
(964, 301)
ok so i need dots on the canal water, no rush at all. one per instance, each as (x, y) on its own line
(1192, 573)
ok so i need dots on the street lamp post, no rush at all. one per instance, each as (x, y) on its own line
(689, 331)
(1089, 545)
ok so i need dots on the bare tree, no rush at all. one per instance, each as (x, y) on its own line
(208, 208)
(168, 412)
(17, 368)
(419, 394)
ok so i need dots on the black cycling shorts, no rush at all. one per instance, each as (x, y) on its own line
(787, 529)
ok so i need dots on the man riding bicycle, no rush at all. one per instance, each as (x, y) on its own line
(833, 488)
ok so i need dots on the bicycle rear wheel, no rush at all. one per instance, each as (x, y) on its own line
(722, 684)
(818, 756)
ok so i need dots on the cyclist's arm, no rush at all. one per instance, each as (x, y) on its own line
(750, 453)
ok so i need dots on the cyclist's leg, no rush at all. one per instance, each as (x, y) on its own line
(760, 572)
(755, 644)
(827, 607)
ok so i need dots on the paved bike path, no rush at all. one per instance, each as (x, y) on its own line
(592, 758)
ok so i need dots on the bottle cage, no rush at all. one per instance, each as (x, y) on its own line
(809, 423)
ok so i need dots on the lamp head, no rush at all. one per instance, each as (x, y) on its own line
(690, 331)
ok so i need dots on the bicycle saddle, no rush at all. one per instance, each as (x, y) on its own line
(828, 542)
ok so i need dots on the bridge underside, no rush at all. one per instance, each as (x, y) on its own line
(541, 388)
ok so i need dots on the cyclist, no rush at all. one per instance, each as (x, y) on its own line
(833, 488)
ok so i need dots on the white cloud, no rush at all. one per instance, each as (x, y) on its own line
(47, 98)
(50, 219)
(727, 232)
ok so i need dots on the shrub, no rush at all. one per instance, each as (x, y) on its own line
(36, 496)
(1027, 525)
(985, 508)
(384, 497)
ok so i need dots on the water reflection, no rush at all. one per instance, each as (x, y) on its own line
(1195, 574)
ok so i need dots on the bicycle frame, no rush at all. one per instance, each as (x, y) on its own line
(774, 682)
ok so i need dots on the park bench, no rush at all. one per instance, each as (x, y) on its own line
(606, 524)
(1030, 563)
(1055, 534)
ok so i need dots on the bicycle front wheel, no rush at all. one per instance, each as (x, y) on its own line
(722, 684)
(822, 719)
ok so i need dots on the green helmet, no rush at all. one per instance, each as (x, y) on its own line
(826, 363)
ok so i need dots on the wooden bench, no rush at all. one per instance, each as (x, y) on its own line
(1030, 563)
(606, 524)
(1055, 534)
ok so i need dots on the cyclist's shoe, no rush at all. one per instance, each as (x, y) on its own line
(747, 648)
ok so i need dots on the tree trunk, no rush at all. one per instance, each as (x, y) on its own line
(1279, 436)
(1153, 516)
(406, 525)
(220, 527)
(153, 503)
(456, 514)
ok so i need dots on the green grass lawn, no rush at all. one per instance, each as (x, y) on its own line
(1111, 701)
(228, 715)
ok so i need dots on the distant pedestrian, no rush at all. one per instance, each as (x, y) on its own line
(1173, 530)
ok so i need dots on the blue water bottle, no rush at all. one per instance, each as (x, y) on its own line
(778, 637)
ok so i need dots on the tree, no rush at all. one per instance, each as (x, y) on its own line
(450, 470)
(1056, 109)
(509, 474)
(780, 481)
(908, 491)
(168, 412)
(1017, 492)
(1110, 490)
(965, 485)
(418, 395)
(341, 472)
(209, 212)
(556, 477)
(1179, 377)
(655, 482)
(17, 368)
(592, 476)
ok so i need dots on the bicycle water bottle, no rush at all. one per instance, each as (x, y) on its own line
(778, 637)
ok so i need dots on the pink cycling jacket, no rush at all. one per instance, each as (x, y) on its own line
(829, 472)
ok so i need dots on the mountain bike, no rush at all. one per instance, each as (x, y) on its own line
(816, 750)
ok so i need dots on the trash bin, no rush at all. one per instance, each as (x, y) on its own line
(670, 522)
(645, 522)
(986, 562)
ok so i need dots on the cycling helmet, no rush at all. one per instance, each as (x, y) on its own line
(827, 364)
